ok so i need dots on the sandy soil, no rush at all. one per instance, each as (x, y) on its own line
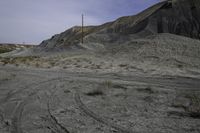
(40, 100)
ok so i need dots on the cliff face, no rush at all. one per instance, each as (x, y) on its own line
(181, 17)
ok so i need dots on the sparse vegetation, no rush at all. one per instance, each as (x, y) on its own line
(16, 60)
(4, 50)
(107, 84)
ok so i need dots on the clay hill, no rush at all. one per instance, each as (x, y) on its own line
(180, 17)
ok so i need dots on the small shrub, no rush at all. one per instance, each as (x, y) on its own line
(98, 66)
(96, 92)
(123, 65)
(191, 105)
(146, 90)
(194, 108)
(52, 63)
(180, 66)
(66, 91)
(65, 67)
(37, 64)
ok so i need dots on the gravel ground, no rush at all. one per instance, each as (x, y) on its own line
(36, 100)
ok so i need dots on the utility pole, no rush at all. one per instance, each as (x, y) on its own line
(82, 29)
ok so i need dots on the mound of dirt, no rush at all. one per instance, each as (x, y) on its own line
(162, 49)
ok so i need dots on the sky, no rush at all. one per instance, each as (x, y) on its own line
(32, 21)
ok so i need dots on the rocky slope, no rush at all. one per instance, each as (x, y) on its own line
(180, 17)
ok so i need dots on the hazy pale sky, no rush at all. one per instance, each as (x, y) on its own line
(32, 21)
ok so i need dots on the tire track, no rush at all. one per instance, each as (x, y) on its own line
(27, 87)
(17, 117)
(98, 118)
(178, 84)
(16, 121)
(56, 126)
(33, 87)
(7, 97)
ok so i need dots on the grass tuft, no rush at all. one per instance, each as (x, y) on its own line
(107, 83)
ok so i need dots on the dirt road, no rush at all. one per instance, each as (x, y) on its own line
(50, 100)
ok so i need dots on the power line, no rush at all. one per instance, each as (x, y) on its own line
(82, 34)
